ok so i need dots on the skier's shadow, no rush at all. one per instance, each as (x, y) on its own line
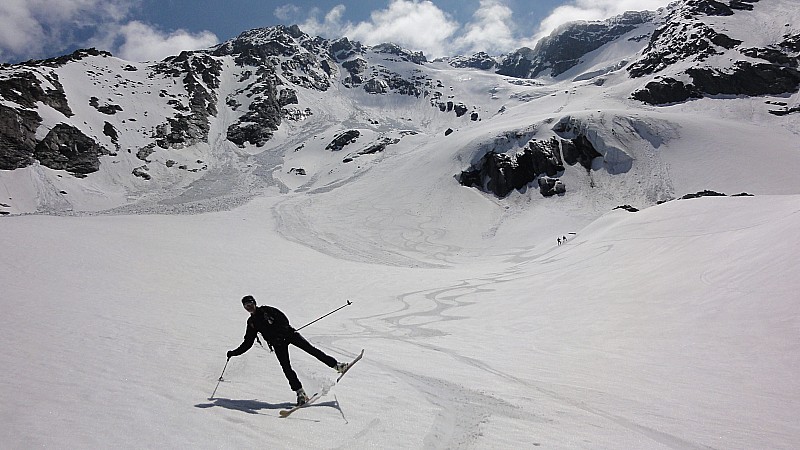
(254, 406)
(248, 406)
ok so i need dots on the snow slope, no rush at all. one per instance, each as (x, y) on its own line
(673, 327)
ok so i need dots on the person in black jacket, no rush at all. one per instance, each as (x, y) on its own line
(275, 328)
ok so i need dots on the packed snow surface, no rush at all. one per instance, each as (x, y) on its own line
(673, 327)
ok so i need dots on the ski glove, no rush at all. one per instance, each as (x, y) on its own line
(230, 353)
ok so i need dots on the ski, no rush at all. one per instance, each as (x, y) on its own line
(318, 395)
(312, 399)
(349, 366)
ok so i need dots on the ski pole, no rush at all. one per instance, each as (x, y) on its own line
(326, 315)
(220, 379)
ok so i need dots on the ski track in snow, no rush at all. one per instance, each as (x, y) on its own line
(463, 411)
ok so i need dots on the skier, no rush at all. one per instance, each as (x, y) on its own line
(274, 327)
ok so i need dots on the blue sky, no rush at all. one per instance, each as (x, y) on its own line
(142, 30)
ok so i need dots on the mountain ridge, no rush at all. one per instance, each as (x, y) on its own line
(150, 133)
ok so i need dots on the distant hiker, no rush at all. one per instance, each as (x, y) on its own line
(559, 241)
(274, 327)
(564, 239)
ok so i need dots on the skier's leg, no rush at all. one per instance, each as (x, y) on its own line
(282, 352)
(306, 346)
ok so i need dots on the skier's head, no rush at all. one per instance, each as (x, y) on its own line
(249, 303)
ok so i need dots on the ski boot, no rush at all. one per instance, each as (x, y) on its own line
(302, 398)
(342, 367)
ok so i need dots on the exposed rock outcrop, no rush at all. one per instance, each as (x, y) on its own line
(480, 60)
(17, 137)
(501, 173)
(686, 36)
(67, 148)
(343, 139)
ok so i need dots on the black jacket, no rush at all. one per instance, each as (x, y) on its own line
(271, 323)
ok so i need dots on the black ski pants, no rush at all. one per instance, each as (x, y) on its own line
(282, 352)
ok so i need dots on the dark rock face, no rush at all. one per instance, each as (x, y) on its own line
(141, 172)
(710, 7)
(343, 139)
(563, 49)
(66, 148)
(301, 59)
(579, 151)
(111, 132)
(376, 86)
(666, 90)
(785, 111)
(480, 60)
(673, 42)
(356, 68)
(501, 173)
(706, 193)
(343, 49)
(304, 61)
(17, 137)
(263, 117)
(549, 187)
(518, 64)
(25, 89)
(747, 79)
(376, 147)
(401, 53)
(379, 146)
(108, 108)
(77, 55)
(200, 76)
(685, 37)
(460, 109)
(541, 161)
(773, 55)
(542, 157)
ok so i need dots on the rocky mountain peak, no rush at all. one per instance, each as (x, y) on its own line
(564, 47)
(271, 88)
(690, 45)
(403, 54)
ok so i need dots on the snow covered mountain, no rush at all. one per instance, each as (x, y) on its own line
(590, 107)
(500, 223)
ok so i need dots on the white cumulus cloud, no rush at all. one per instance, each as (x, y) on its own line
(417, 25)
(422, 25)
(46, 28)
(137, 41)
(30, 28)
(491, 30)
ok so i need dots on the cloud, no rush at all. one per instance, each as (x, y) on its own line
(137, 41)
(29, 28)
(491, 30)
(418, 25)
(19, 30)
(421, 25)
(288, 12)
(47, 28)
(593, 10)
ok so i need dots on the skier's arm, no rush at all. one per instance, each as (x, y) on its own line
(249, 338)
